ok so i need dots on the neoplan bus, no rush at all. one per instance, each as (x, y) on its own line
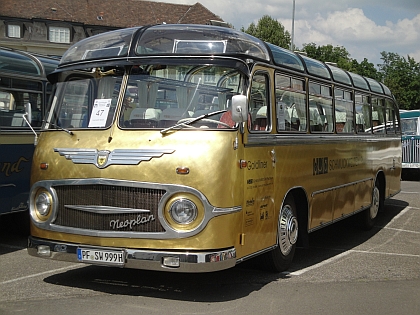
(23, 87)
(191, 148)
(410, 126)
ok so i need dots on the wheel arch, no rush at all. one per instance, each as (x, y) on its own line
(381, 179)
(300, 198)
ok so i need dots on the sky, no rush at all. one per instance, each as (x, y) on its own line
(365, 28)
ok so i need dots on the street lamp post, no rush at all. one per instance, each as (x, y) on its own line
(292, 46)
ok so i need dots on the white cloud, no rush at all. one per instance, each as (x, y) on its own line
(364, 28)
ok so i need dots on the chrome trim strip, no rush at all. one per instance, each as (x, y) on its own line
(105, 209)
(190, 261)
(103, 159)
(303, 138)
(227, 210)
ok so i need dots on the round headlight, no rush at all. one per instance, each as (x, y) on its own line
(183, 211)
(43, 204)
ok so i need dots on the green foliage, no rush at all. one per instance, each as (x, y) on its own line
(340, 56)
(326, 53)
(402, 76)
(269, 30)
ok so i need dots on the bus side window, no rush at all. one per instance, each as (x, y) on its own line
(258, 103)
(320, 108)
(378, 118)
(363, 112)
(290, 104)
(391, 118)
(344, 121)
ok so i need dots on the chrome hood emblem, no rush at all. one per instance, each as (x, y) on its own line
(105, 158)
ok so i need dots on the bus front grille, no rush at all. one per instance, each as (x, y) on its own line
(127, 204)
(411, 150)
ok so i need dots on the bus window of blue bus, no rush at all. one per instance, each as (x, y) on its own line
(22, 82)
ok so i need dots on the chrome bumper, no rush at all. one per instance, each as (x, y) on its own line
(206, 261)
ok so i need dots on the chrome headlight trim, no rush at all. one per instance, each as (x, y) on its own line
(210, 211)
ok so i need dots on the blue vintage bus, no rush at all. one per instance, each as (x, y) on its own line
(410, 125)
(23, 87)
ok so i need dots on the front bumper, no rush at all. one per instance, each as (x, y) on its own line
(203, 261)
(411, 165)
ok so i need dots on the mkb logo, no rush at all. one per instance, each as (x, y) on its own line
(102, 159)
(320, 166)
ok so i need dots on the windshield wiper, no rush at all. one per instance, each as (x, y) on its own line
(192, 120)
(60, 128)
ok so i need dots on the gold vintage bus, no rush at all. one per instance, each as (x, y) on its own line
(192, 148)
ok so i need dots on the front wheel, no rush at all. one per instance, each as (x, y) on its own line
(280, 258)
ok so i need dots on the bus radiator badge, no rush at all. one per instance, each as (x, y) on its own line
(102, 158)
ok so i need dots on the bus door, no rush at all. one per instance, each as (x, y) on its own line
(259, 154)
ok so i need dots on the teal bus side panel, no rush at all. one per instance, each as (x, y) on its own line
(15, 171)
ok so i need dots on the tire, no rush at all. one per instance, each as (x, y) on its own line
(369, 215)
(280, 258)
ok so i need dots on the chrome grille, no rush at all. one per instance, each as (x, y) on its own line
(110, 196)
(411, 150)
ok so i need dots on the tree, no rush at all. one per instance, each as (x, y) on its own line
(340, 56)
(269, 30)
(326, 53)
(402, 76)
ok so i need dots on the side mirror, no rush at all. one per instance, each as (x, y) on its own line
(28, 113)
(28, 118)
(239, 109)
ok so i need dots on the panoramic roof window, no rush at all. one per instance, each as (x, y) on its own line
(359, 81)
(105, 45)
(284, 57)
(316, 67)
(374, 86)
(339, 75)
(199, 40)
(201, 46)
(15, 62)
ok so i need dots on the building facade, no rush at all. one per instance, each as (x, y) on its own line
(50, 27)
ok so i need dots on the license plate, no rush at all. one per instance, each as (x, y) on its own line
(101, 256)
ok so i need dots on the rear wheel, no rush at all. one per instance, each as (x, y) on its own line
(280, 258)
(369, 215)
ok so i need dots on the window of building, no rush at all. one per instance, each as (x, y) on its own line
(59, 34)
(14, 31)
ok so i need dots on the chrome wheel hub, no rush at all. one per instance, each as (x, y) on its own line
(375, 203)
(288, 230)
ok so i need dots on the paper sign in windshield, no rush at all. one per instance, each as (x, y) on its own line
(100, 112)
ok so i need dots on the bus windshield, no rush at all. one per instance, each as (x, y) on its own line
(149, 96)
(409, 126)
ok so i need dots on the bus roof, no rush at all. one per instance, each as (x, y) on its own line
(168, 40)
(26, 63)
(410, 113)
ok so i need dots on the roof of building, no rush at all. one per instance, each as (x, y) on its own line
(108, 13)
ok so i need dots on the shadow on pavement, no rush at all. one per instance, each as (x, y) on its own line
(226, 285)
